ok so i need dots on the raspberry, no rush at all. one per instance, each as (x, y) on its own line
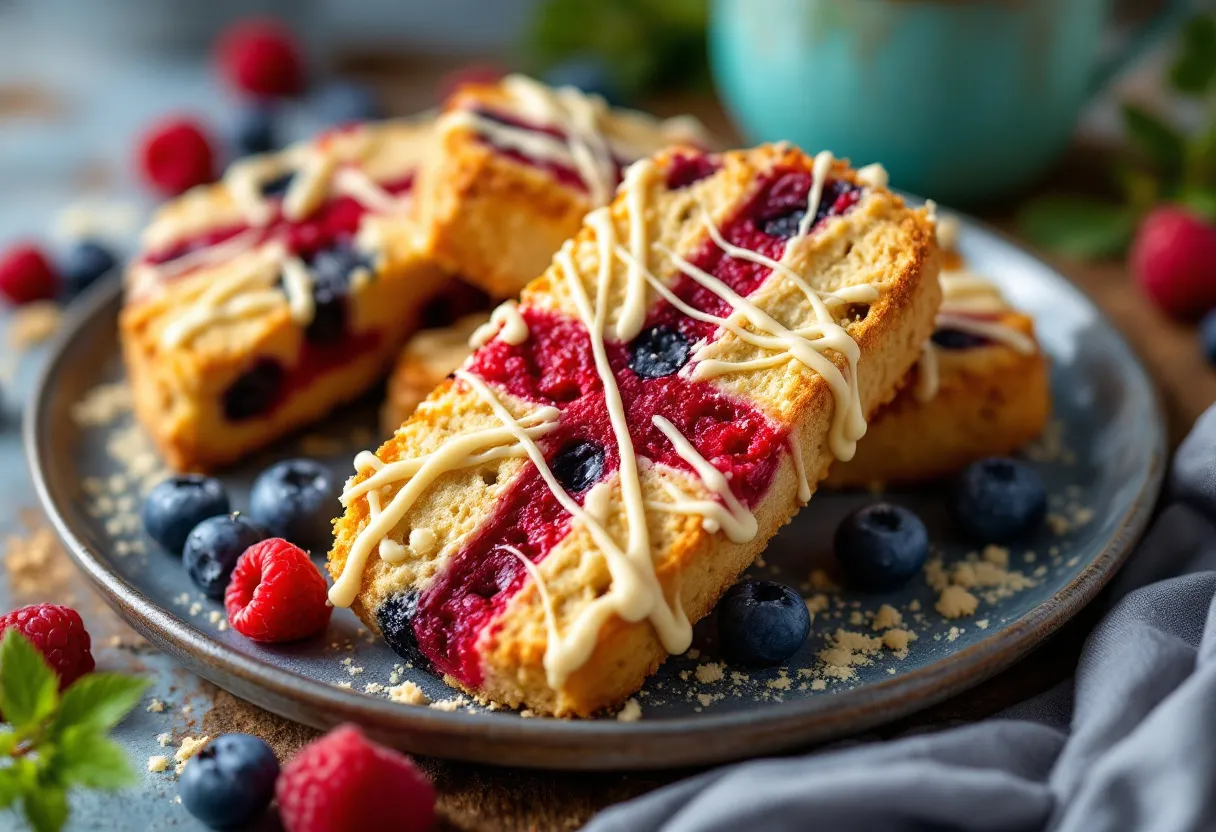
(261, 58)
(26, 275)
(276, 594)
(1174, 258)
(344, 781)
(59, 635)
(175, 155)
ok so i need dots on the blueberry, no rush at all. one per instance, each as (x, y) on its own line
(578, 466)
(881, 546)
(761, 623)
(174, 507)
(345, 102)
(785, 224)
(276, 188)
(658, 351)
(212, 549)
(230, 782)
(1207, 336)
(331, 270)
(256, 131)
(255, 391)
(589, 73)
(295, 500)
(999, 499)
(395, 618)
(954, 339)
(84, 264)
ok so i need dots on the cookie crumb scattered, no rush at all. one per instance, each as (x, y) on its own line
(956, 602)
(709, 672)
(158, 763)
(408, 693)
(886, 618)
(188, 748)
(631, 712)
(34, 323)
(156, 706)
(164, 739)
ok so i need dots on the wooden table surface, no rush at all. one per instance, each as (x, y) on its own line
(475, 797)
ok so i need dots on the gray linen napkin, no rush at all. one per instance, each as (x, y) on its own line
(1129, 744)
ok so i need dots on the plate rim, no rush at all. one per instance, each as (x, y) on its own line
(552, 743)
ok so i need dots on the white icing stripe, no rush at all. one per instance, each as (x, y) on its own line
(928, 379)
(506, 323)
(390, 550)
(848, 422)
(873, 176)
(454, 454)
(310, 187)
(245, 179)
(633, 309)
(353, 182)
(738, 523)
(819, 175)
(209, 256)
(243, 294)
(993, 331)
(297, 285)
(545, 599)
(535, 425)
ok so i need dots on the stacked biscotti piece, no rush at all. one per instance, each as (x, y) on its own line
(258, 304)
(548, 524)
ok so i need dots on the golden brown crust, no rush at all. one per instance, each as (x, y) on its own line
(428, 358)
(879, 241)
(497, 221)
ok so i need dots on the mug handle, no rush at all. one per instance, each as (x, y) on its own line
(1161, 21)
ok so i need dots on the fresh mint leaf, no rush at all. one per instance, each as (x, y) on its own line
(98, 701)
(12, 785)
(1194, 67)
(29, 689)
(1077, 226)
(86, 758)
(46, 808)
(1162, 144)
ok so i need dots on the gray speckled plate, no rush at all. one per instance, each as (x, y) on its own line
(1103, 461)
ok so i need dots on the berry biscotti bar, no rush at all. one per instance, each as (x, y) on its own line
(981, 389)
(518, 164)
(259, 303)
(550, 522)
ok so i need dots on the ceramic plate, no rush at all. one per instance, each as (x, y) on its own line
(1102, 459)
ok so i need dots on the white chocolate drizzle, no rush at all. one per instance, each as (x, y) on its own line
(466, 450)
(966, 295)
(319, 172)
(506, 323)
(819, 175)
(583, 119)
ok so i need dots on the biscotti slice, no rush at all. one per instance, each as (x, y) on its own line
(550, 522)
(518, 166)
(259, 303)
(982, 388)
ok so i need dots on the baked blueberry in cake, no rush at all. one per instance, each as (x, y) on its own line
(981, 389)
(259, 303)
(518, 164)
(551, 520)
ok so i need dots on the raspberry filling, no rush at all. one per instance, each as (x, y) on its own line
(564, 174)
(334, 222)
(555, 366)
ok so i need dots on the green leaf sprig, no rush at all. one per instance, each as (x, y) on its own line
(1167, 165)
(53, 742)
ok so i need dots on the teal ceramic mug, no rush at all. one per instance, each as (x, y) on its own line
(961, 100)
